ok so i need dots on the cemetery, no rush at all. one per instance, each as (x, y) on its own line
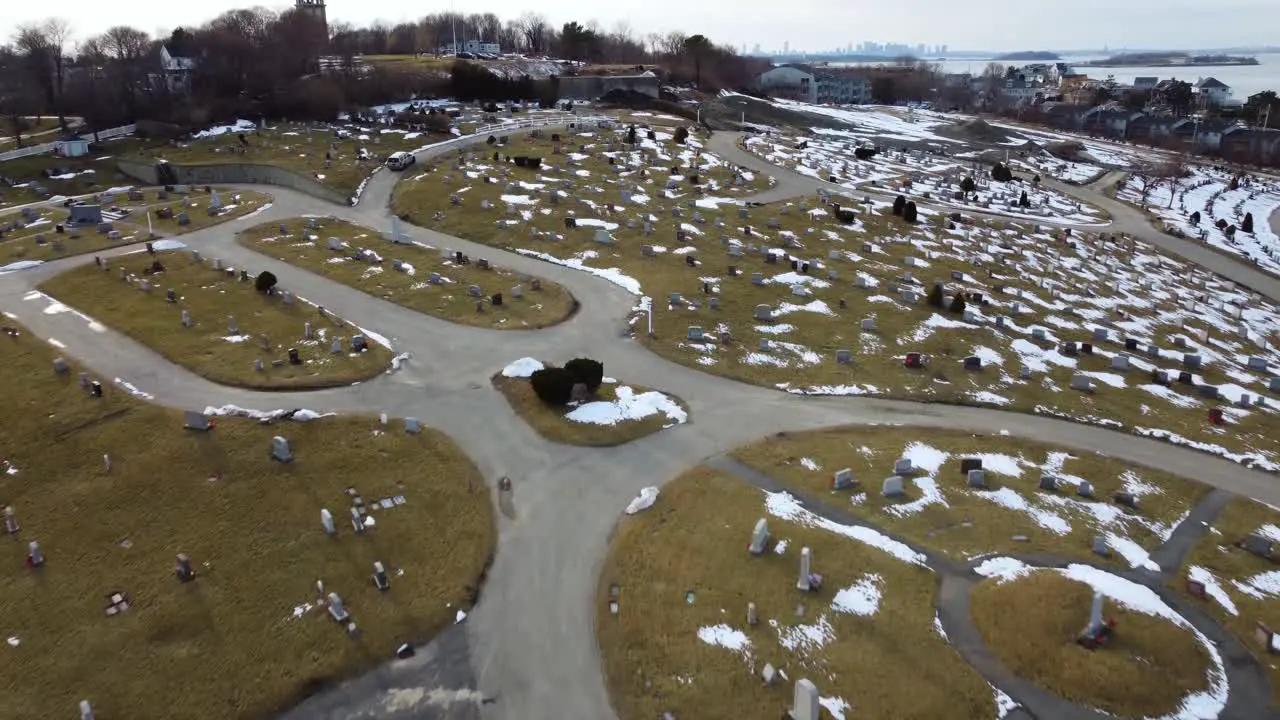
(435, 281)
(917, 554)
(341, 156)
(41, 177)
(834, 156)
(165, 563)
(1026, 498)
(1227, 211)
(1147, 662)
(586, 185)
(184, 209)
(1093, 327)
(691, 623)
(1069, 171)
(227, 324)
(584, 407)
(1231, 574)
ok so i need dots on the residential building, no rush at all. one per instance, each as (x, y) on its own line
(176, 68)
(819, 85)
(1145, 82)
(1211, 91)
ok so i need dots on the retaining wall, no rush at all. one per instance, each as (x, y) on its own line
(233, 173)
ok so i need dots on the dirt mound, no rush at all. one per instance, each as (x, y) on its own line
(978, 130)
(726, 112)
(1067, 150)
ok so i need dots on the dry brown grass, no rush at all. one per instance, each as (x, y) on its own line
(1031, 623)
(889, 665)
(1217, 553)
(227, 644)
(29, 171)
(550, 422)
(210, 297)
(307, 248)
(967, 524)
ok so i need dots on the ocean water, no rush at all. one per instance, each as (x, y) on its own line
(1245, 80)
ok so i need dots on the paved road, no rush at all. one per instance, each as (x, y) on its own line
(1124, 218)
(530, 641)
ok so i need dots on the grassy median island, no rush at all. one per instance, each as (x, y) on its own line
(248, 636)
(1147, 667)
(613, 415)
(680, 641)
(221, 349)
(414, 276)
(940, 511)
(38, 239)
(1242, 590)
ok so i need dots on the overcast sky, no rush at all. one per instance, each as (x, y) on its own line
(806, 24)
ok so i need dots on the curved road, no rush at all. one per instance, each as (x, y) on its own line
(538, 601)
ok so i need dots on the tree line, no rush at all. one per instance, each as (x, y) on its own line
(255, 62)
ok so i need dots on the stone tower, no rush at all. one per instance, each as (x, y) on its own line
(314, 9)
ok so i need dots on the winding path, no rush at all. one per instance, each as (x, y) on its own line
(528, 649)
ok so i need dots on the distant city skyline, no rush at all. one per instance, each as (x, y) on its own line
(808, 25)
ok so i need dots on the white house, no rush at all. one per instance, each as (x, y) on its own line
(1212, 91)
(176, 69)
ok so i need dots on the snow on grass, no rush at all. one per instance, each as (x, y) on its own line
(814, 306)
(1251, 460)
(298, 415)
(834, 705)
(986, 396)
(628, 406)
(1132, 552)
(1002, 569)
(1012, 500)
(930, 494)
(809, 463)
(785, 506)
(1000, 464)
(860, 598)
(613, 275)
(1260, 586)
(522, 368)
(726, 637)
(925, 458)
(804, 637)
(1211, 586)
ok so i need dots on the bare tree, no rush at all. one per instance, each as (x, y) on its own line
(535, 29)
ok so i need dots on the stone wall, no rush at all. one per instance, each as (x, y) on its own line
(590, 87)
(233, 173)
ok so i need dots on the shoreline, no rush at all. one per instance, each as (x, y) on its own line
(1168, 65)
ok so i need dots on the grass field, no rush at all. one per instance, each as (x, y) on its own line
(24, 243)
(247, 638)
(550, 422)
(306, 246)
(1030, 625)
(1230, 570)
(681, 567)
(1036, 280)
(211, 347)
(941, 512)
(292, 147)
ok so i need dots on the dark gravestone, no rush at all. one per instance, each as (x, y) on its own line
(967, 464)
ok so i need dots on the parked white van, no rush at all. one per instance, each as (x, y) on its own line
(400, 160)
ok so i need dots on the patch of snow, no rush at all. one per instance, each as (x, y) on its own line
(628, 406)
(724, 636)
(522, 368)
(785, 506)
(1212, 588)
(860, 598)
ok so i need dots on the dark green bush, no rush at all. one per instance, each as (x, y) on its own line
(553, 385)
(586, 371)
(264, 282)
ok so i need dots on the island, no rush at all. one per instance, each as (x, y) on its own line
(1029, 56)
(1169, 59)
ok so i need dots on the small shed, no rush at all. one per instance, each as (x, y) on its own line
(72, 148)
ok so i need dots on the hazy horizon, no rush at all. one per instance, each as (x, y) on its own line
(807, 25)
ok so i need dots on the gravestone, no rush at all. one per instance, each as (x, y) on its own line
(1085, 489)
(60, 365)
(412, 425)
(183, 569)
(1126, 499)
(804, 705)
(1120, 362)
(1100, 548)
(35, 558)
(968, 465)
(978, 479)
(357, 520)
(842, 479)
(868, 324)
(1259, 545)
(336, 610)
(280, 451)
(326, 522)
(892, 487)
(695, 333)
(11, 526)
(86, 710)
(806, 559)
(380, 577)
(1049, 483)
(195, 420)
(759, 537)
(844, 357)
(1083, 383)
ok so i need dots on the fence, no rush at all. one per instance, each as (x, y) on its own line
(51, 146)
